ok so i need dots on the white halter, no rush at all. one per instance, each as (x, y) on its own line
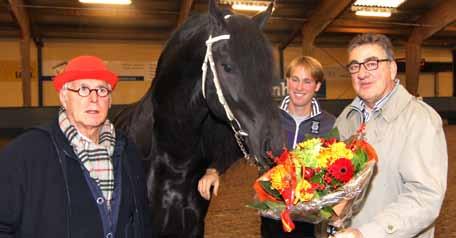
(235, 125)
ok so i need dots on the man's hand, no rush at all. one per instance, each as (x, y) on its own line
(349, 233)
(211, 178)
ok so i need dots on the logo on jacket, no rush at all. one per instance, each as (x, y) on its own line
(315, 127)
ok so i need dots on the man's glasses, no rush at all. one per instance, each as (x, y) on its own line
(86, 91)
(369, 65)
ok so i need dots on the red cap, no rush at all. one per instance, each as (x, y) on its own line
(85, 67)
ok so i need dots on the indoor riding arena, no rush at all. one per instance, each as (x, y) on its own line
(195, 86)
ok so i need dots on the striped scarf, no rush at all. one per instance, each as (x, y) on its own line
(96, 158)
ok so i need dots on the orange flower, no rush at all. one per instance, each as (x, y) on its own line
(363, 145)
(304, 191)
(280, 177)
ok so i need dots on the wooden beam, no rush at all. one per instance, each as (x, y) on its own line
(435, 20)
(443, 14)
(359, 30)
(412, 67)
(324, 14)
(186, 6)
(103, 33)
(23, 21)
(453, 52)
(284, 45)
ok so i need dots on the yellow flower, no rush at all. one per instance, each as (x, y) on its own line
(334, 152)
(279, 177)
(340, 150)
(304, 191)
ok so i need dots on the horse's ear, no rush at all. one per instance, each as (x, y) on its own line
(216, 12)
(261, 18)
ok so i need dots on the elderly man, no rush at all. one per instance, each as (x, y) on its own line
(78, 176)
(408, 188)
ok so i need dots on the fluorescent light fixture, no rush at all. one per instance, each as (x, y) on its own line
(248, 7)
(371, 11)
(373, 14)
(117, 2)
(379, 3)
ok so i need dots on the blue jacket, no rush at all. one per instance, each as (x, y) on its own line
(44, 192)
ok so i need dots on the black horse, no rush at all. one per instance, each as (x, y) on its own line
(181, 125)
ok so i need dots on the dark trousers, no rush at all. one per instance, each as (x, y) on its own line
(271, 228)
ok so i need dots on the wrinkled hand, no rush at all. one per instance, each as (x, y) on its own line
(349, 233)
(211, 178)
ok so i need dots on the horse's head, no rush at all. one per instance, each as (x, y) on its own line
(245, 68)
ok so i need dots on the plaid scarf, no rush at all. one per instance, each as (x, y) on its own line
(96, 158)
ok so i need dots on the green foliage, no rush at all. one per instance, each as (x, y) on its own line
(327, 212)
(333, 133)
(258, 205)
(359, 160)
(266, 185)
(308, 157)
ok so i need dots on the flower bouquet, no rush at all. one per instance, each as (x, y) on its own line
(321, 179)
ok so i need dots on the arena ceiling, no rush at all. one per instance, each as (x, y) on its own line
(332, 22)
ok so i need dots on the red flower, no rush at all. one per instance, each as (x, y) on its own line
(317, 186)
(342, 170)
(328, 142)
(308, 173)
(283, 157)
(327, 179)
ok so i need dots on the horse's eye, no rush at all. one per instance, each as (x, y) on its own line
(227, 68)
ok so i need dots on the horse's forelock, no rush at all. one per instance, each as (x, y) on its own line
(257, 66)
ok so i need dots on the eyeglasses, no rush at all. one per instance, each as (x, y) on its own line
(85, 91)
(369, 65)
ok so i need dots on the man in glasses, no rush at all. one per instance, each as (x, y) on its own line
(78, 176)
(408, 187)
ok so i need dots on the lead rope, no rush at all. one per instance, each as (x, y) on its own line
(239, 133)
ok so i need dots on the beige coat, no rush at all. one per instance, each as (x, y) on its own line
(408, 188)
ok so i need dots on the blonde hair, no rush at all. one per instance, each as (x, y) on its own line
(309, 63)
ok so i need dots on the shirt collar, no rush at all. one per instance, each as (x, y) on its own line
(360, 105)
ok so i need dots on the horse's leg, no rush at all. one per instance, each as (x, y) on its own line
(196, 213)
(177, 209)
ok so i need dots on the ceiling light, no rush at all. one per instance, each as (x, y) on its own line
(376, 8)
(373, 14)
(118, 2)
(379, 3)
(246, 5)
(373, 11)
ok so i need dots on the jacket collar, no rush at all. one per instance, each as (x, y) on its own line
(397, 103)
(392, 108)
(314, 104)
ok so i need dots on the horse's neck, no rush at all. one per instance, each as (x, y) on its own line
(179, 111)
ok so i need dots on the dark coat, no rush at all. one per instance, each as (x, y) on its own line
(318, 126)
(44, 193)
